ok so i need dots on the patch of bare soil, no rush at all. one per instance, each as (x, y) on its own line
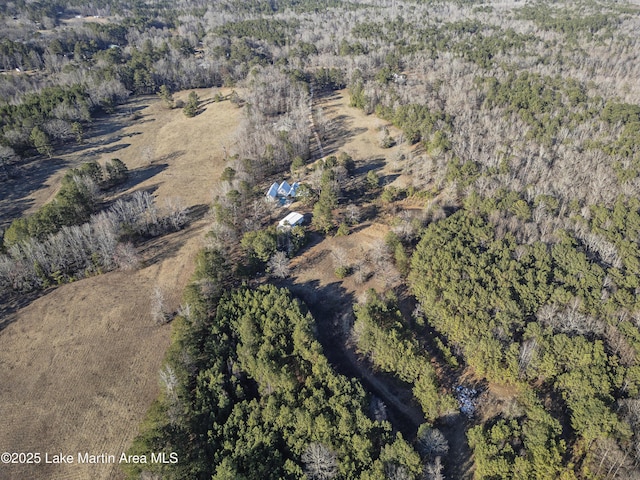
(80, 19)
(497, 400)
(331, 301)
(79, 365)
(317, 264)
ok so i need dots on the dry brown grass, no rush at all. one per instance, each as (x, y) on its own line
(83, 19)
(79, 365)
(317, 264)
(354, 132)
(192, 149)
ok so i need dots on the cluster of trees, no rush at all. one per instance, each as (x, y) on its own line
(324, 189)
(254, 393)
(528, 445)
(100, 244)
(380, 334)
(54, 114)
(327, 200)
(76, 200)
(530, 314)
(18, 55)
(590, 24)
(272, 247)
(526, 118)
(272, 31)
(417, 123)
(276, 129)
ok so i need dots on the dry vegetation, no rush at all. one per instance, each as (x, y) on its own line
(102, 351)
(80, 364)
(475, 164)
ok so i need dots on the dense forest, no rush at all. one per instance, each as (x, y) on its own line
(520, 131)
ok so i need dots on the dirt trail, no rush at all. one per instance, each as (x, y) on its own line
(331, 302)
(404, 413)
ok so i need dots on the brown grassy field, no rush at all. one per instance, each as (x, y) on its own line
(358, 134)
(353, 132)
(79, 365)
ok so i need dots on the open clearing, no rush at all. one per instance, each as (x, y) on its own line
(352, 131)
(79, 365)
(330, 299)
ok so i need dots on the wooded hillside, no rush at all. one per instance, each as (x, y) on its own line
(509, 197)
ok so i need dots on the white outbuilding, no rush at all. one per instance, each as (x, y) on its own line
(291, 220)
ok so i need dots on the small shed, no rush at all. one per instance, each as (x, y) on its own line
(291, 220)
(294, 189)
(272, 193)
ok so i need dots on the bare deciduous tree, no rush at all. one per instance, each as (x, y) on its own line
(378, 409)
(340, 257)
(393, 471)
(169, 380)
(320, 463)
(527, 351)
(433, 471)
(431, 443)
(361, 273)
(352, 214)
(279, 265)
(126, 257)
(159, 312)
(175, 213)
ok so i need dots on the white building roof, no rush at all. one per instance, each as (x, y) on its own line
(294, 189)
(284, 189)
(273, 191)
(293, 219)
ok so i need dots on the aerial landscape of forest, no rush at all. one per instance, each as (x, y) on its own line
(320, 239)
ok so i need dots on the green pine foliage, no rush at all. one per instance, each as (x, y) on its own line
(484, 294)
(381, 336)
(527, 446)
(41, 141)
(416, 121)
(260, 245)
(545, 104)
(35, 109)
(117, 171)
(191, 107)
(258, 391)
